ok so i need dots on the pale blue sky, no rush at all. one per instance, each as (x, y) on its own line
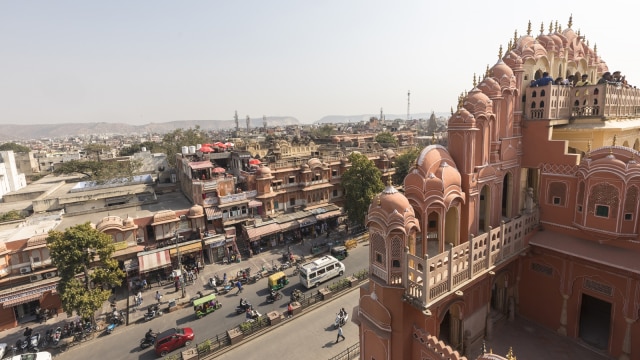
(156, 61)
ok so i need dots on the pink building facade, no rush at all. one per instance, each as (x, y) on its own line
(518, 216)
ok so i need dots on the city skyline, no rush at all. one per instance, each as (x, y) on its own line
(154, 62)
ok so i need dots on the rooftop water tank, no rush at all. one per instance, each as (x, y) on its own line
(185, 150)
(192, 149)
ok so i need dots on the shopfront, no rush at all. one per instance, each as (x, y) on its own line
(263, 237)
(152, 265)
(306, 226)
(214, 248)
(20, 305)
(190, 254)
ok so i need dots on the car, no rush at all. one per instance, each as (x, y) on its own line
(171, 339)
(42, 355)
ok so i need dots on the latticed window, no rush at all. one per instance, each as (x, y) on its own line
(397, 247)
(557, 193)
(377, 242)
(631, 200)
(604, 195)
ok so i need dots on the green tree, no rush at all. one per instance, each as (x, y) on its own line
(94, 151)
(386, 138)
(100, 171)
(361, 182)
(173, 142)
(404, 163)
(87, 271)
(17, 148)
(134, 148)
(11, 215)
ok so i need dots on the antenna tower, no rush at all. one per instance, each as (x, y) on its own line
(408, 105)
(264, 121)
(248, 123)
(235, 117)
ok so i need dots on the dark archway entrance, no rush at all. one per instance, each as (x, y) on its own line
(595, 322)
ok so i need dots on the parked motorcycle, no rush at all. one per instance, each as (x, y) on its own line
(117, 319)
(274, 296)
(242, 308)
(57, 335)
(152, 312)
(29, 344)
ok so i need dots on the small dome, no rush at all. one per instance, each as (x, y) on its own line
(462, 119)
(196, 211)
(164, 216)
(264, 171)
(501, 70)
(36, 240)
(390, 153)
(314, 162)
(490, 87)
(128, 222)
(391, 200)
(109, 222)
(477, 102)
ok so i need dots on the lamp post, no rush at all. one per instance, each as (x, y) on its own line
(180, 264)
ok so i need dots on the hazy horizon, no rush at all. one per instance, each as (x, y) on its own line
(160, 61)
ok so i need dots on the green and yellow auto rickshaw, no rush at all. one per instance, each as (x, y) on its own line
(339, 252)
(206, 305)
(277, 281)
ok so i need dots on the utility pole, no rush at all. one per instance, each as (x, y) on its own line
(180, 264)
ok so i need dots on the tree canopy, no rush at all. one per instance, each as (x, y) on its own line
(361, 182)
(87, 271)
(403, 164)
(386, 138)
(100, 171)
(17, 148)
(94, 150)
(134, 148)
(173, 142)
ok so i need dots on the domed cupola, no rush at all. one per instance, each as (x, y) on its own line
(503, 74)
(196, 211)
(490, 87)
(462, 119)
(477, 102)
(263, 172)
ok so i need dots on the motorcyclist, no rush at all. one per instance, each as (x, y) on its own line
(27, 332)
(150, 336)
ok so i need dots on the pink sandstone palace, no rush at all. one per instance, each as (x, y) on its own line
(532, 210)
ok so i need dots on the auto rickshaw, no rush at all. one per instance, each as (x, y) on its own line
(339, 252)
(206, 305)
(277, 281)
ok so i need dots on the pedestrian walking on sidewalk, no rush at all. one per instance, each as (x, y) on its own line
(239, 285)
(159, 278)
(340, 335)
(158, 296)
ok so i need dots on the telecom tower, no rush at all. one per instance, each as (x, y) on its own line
(235, 117)
(248, 123)
(264, 122)
(408, 105)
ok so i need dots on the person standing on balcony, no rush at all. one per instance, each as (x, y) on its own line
(584, 81)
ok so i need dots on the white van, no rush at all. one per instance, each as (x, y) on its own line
(320, 270)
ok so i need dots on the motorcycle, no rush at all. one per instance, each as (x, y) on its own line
(273, 297)
(57, 334)
(152, 312)
(341, 320)
(117, 319)
(29, 344)
(146, 342)
(242, 308)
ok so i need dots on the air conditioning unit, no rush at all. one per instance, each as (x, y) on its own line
(140, 240)
(25, 270)
(35, 278)
(50, 274)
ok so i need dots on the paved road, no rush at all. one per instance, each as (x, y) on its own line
(310, 336)
(123, 343)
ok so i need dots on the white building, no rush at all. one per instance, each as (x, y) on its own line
(10, 179)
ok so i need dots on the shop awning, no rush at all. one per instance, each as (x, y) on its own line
(215, 241)
(256, 233)
(254, 203)
(198, 165)
(186, 249)
(213, 213)
(309, 220)
(154, 260)
(290, 225)
(328, 214)
(127, 251)
(9, 301)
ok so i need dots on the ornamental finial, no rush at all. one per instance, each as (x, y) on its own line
(570, 21)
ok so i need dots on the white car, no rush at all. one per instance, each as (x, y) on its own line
(42, 355)
(3, 348)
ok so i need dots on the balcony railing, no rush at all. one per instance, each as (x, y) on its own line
(564, 102)
(431, 278)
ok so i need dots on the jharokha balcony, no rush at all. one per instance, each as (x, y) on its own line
(432, 278)
(562, 102)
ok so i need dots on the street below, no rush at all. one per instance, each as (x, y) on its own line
(124, 342)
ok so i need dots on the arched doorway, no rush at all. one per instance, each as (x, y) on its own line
(451, 328)
(507, 191)
(452, 226)
(433, 234)
(499, 294)
(484, 210)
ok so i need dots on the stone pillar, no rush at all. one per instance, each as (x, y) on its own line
(626, 343)
(563, 316)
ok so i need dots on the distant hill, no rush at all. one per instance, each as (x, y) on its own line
(365, 117)
(24, 132)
